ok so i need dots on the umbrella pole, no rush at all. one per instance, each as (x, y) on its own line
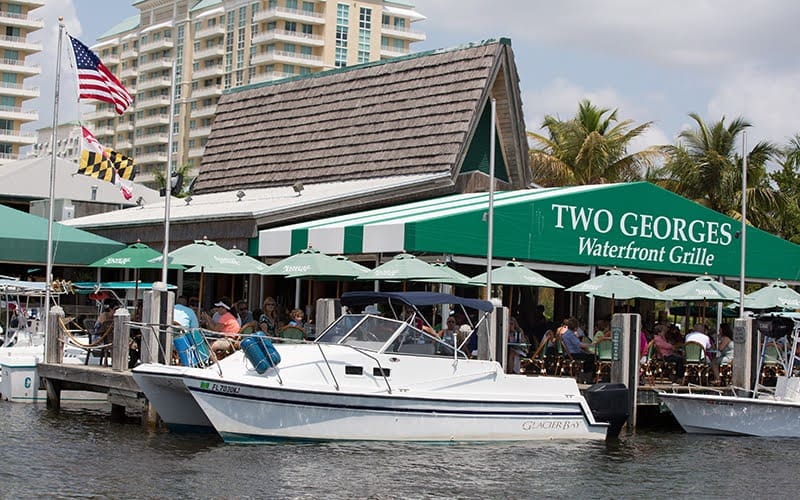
(136, 293)
(200, 292)
(310, 284)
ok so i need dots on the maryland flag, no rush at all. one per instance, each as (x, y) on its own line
(106, 165)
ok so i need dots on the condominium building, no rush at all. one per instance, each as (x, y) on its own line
(17, 22)
(217, 45)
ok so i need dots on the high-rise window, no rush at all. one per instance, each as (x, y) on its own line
(342, 20)
(364, 30)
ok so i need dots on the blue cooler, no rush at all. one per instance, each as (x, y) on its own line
(260, 352)
(186, 350)
(200, 345)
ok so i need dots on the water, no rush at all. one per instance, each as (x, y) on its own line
(81, 453)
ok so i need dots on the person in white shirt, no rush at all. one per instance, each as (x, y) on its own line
(698, 335)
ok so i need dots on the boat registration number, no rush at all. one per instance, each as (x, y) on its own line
(228, 389)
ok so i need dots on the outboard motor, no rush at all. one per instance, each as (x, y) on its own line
(609, 403)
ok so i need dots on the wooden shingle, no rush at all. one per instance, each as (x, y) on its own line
(411, 115)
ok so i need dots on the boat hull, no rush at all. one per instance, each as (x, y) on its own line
(729, 415)
(252, 413)
(163, 385)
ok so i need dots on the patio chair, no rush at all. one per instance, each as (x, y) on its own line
(657, 369)
(772, 367)
(603, 350)
(695, 363)
(537, 363)
(290, 332)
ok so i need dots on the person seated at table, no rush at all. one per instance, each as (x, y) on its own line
(105, 319)
(227, 325)
(725, 356)
(516, 345)
(577, 349)
(602, 330)
(666, 349)
(698, 334)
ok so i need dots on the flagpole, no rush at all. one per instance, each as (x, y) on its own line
(743, 256)
(490, 216)
(49, 266)
(168, 179)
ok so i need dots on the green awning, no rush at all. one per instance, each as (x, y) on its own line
(628, 225)
(23, 240)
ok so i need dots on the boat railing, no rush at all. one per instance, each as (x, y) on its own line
(362, 352)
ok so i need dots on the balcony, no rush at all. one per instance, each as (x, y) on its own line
(100, 114)
(402, 33)
(270, 76)
(196, 152)
(211, 90)
(18, 137)
(280, 56)
(102, 131)
(288, 36)
(393, 52)
(160, 44)
(152, 101)
(130, 53)
(16, 113)
(18, 90)
(203, 112)
(283, 13)
(20, 20)
(159, 119)
(157, 156)
(215, 30)
(20, 43)
(208, 72)
(146, 140)
(153, 83)
(129, 72)
(205, 53)
(19, 67)
(199, 132)
(123, 144)
(162, 63)
(125, 126)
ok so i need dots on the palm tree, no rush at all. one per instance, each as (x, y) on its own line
(590, 148)
(160, 179)
(788, 181)
(706, 167)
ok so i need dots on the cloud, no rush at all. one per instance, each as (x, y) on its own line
(560, 98)
(68, 107)
(767, 101)
(703, 35)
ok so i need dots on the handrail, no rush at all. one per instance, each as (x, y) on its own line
(335, 382)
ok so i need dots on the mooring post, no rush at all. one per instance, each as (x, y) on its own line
(54, 353)
(120, 347)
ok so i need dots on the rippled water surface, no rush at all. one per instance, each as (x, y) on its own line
(81, 453)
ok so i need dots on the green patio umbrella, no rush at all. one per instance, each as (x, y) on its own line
(135, 256)
(204, 256)
(514, 273)
(242, 264)
(614, 284)
(776, 294)
(703, 288)
(405, 267)
(311, 263)
(456, 278)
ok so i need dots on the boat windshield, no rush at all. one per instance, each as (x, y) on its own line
(374, 332)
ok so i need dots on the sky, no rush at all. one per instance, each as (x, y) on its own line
(653, 61)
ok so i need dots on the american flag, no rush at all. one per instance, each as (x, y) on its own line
(95, 81)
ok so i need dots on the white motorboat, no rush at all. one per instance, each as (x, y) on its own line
(760, 412)
(369, 377)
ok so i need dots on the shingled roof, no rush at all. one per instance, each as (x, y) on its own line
(412, 115)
